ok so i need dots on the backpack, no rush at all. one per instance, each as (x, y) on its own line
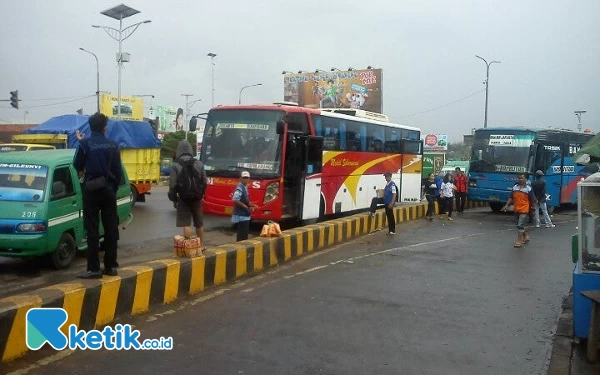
(190, 184)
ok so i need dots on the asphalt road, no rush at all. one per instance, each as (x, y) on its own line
(149, 237)
(439, 297)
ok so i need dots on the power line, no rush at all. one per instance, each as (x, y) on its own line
(61, 98)
(59, 103)
(445, 105)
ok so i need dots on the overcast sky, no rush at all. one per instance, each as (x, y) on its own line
(549, 52)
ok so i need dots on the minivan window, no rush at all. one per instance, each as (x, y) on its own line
(23, 182)
(62, 176)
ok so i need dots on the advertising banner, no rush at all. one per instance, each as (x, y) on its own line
(132, 108)
(435, 142)
(359, 89)
(170, 118)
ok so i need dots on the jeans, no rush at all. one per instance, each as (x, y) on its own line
(460, 201)
(389, 213)
(374, 203)
(448, 205)
(101, 204)
(243, 227)
(430, 205)
(536, 213)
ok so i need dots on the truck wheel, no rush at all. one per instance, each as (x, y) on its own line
(496, 207)
(65, 252)
(133, 195)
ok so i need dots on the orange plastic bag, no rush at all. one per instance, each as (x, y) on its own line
(270, 229)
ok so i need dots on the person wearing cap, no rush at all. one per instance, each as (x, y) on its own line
(242, 209)
(390, 194)
(539, 190)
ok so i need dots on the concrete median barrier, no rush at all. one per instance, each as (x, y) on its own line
(95, 303)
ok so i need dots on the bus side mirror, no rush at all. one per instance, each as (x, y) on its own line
(280, 127)
(193, 124)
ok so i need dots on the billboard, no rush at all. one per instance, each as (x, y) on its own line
(132, 108)
(359, 89)
(435, 142)
(170, 118)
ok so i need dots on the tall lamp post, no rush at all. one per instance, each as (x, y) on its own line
(97, 76)
(212, 59)
(120, 12)
(487, 84)
(245, 87)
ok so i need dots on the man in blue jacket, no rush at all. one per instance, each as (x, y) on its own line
(98, 160)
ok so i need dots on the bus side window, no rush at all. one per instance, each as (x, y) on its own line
(392, 143)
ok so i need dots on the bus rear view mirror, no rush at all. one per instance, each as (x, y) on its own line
(193, 124)
(280, 127)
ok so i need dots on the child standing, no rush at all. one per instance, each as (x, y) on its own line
(447, 193)
(522, 196)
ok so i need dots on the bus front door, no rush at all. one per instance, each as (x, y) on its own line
(312, 177)
(294, 170)
(549, 159)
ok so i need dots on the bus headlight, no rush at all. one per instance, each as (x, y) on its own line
(472, 183)
(272, 192)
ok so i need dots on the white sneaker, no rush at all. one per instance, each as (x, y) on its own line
(537, 225)
(390, 233)
(550, 225)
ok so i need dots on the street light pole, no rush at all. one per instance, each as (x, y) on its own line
(187, 96)
(245, 87)
(212, 58)
(97, 76)
(119, 12)
(487, 84)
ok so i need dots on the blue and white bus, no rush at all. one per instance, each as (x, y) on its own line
(500, 154)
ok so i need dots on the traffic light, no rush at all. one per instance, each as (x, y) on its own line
(14, 99)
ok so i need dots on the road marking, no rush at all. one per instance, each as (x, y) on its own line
(43, 362)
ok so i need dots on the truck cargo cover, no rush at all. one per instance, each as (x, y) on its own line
(127, 134)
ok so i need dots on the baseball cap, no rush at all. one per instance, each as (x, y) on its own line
(539, 173)
(245, 174)
(388, 174)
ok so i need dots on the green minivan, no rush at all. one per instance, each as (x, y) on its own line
(41, 206)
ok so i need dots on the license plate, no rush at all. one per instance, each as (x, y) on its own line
(228, 210)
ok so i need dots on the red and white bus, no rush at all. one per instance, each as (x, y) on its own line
(306, 163)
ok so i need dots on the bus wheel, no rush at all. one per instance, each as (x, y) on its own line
(496, 207)
(65, 252)
(133, 195)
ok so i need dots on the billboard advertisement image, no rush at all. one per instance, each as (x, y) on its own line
(358, 89)
(435, 142)
(132, 108)
(170, 118)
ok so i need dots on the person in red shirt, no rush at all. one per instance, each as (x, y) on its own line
(460, 181)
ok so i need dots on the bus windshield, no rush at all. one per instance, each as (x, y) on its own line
(236, 140)
(504, 153)
(22, 182)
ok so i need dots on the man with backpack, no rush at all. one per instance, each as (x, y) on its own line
(187, 185)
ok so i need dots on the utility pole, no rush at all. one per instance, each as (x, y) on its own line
(212, 58)
(187, 96)
(487, 84)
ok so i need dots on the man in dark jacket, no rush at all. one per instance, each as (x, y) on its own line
(187, 209)
(98, 160)
(539, 190)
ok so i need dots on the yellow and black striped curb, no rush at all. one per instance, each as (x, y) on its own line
(95, 303)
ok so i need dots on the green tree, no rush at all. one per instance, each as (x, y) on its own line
(171, 140)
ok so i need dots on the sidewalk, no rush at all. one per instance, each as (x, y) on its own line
(568, 354)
